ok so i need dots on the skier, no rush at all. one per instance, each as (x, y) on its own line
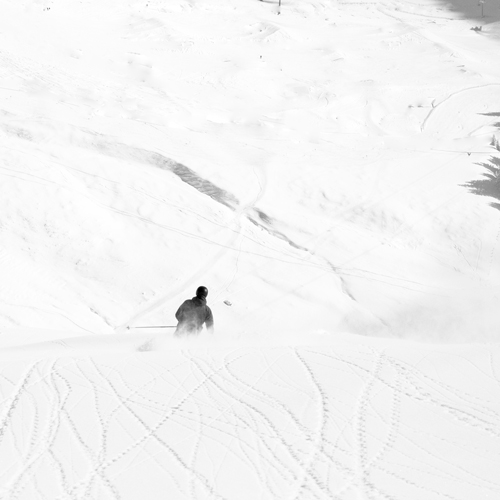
(193, 313)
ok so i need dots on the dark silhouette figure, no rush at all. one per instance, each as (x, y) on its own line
(194, 313)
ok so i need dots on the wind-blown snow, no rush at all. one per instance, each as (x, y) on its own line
(329, 170)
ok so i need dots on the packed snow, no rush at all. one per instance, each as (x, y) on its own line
(329, 170)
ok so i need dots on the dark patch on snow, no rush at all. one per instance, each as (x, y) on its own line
(21, 133)
(190, 177)
(263, 217)
(265, 222)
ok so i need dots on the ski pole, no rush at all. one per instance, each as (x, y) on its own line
(129, 327)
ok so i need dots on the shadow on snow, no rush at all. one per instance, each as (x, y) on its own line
(489, 185)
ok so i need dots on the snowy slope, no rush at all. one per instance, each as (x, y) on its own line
(357, 419)
(307, 167)
(329, 170)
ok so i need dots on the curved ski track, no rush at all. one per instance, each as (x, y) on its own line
(281, 423)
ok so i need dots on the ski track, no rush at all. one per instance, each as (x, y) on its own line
(206, 415)
(274, 423)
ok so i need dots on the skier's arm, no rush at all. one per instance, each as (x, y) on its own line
(209, 322)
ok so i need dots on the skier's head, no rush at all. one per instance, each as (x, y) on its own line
(202, 292)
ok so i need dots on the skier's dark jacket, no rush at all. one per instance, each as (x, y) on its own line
(192, 314)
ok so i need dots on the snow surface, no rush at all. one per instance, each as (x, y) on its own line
(329, 170)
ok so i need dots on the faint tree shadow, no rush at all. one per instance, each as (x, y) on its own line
(489, 185)
(495, 124)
